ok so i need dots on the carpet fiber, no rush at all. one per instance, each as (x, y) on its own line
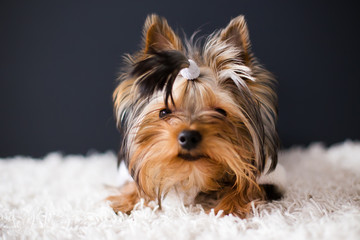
(62, 197)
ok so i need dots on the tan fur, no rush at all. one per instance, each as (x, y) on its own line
(158, 35)
(126, 200)
(233, 145)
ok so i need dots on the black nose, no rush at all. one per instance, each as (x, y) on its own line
(189, 139)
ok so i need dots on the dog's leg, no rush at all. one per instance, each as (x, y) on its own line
(126, 200)
(230, 203)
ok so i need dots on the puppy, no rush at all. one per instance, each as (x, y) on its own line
(197, 118)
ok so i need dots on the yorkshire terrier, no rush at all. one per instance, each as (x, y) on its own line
(196, 118)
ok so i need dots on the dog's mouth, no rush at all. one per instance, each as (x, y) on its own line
(189, 157)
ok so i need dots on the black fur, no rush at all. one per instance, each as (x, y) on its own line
(123, 128)
(158, 71)
(122, 154)
(272, 192)
(272, 140)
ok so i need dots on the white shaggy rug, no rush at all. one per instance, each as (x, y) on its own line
(62, 197)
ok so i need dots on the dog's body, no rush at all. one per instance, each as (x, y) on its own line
(196, 120)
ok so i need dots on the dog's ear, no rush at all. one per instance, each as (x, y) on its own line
(237, 34)
(256, 97)
(158, 35)
(261, 92)
(159, 62)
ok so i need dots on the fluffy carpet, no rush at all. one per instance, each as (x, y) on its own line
(62, 197)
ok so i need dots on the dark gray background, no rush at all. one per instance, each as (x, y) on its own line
(59, 60)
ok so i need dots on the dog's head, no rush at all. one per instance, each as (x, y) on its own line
(215, 129)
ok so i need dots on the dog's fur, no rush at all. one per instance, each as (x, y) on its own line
(232, 105)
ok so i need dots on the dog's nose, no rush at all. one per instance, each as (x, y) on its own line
(189, 139)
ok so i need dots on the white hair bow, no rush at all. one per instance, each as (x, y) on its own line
(192, 72)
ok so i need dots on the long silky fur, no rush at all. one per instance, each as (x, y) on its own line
(158, 71)
(238, 145)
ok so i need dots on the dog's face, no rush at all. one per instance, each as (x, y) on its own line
(211, 133)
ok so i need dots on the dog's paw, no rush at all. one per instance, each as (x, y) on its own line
(126, 200)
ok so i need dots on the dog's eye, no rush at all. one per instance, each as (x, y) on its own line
(221, 111)
(164, 112)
